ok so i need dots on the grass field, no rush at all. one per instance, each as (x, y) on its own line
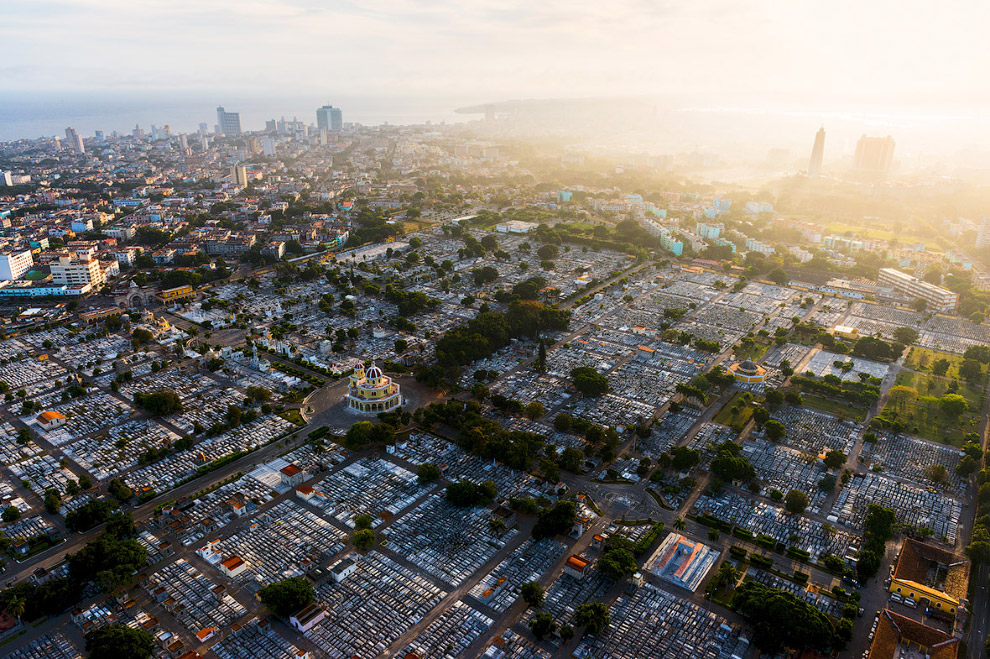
(930, 385)
(735, 420)
(837, 407)
(921, 359)
(754, 350)
(905, 236)
(928, 421)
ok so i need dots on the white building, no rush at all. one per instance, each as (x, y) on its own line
(937, 298)
(71, 271)
(14, 265)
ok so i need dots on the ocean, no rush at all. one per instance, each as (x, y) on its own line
(28, 115)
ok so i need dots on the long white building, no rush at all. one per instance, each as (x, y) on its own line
(938, 299)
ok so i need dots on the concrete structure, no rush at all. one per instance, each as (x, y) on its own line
(343, 569)
(233, 566)
(748, 372)
(682, 562)
(931, 576)
(577, 566)
(308, 618)
(898, 636)
(874, 154)
(817, 154)
(372, 391)
(229, 122)
(50, 420)
(329, 118)
(80, 270)
(983, 234)
(515, 226)
(15, 264)
(938, 299)
(74, 140)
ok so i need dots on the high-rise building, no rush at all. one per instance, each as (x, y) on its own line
(874, 154)
(229, 122)
(268, 146)
(983, 235)
(238, 173)
(15, 264)
(329, 118)
(203, 128)
(183, 141)
(75, 140)
(817, 154)
(79, 271)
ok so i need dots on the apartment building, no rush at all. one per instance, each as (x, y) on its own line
(938, 299)
(15, 264)
(78, 271)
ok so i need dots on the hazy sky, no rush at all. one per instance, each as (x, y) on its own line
(879, 53)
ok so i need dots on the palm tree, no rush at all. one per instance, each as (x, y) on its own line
(15, 607)
(496, 526)
(679, 524)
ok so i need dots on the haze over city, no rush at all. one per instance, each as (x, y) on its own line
(494, 330)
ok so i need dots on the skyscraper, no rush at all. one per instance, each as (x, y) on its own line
(329, 118)
(75, 140)
(229, 122)
(874, 154)
(817, 154)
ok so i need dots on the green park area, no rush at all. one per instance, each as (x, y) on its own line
(935, 408)
(935, 362)
(840, 408)
(737, 412)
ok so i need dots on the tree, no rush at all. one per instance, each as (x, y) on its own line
(592, 615)
(905, 335)
(563, 421)
(967, 466)
(775, 430)
(363, 539)
(542, 624)
(15, 607)
(617, 563)
(159, 403)
(796, 502)
(936, 473)
(10, 514)
(834, 459)
(589, 382)
(684, 458)
(53, 500)
(555, 521)
(780, 619)
(971, 371)
(288, 596)
(953, 405)
(902, 394)
(940, 367)
(774, 399)
(363, 521)
(427, 473)
(465, 494)
(572, 460)
(535, 410)
(533, 594)
(118, 641)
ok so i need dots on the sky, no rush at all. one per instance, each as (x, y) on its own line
(892, 55)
